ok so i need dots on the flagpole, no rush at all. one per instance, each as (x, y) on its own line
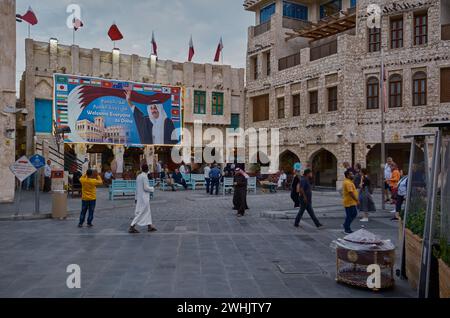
(29, 31)
(383, 136)
(73, 36)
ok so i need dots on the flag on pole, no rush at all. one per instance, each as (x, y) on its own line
(191, 50)
(154, 45)
(114, 33)
(219, 51)
(29, 17)
(77, 24)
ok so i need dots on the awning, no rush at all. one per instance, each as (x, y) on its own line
(326, 27)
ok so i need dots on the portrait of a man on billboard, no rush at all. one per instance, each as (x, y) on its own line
(113, 112)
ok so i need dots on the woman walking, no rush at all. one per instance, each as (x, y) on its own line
(294, 194)
(367, 204)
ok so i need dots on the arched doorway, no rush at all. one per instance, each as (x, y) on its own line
(287, 161)
(400, 154)
(324, 167)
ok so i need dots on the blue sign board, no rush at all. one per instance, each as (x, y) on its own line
(37, 161)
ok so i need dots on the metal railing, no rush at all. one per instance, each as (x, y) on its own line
(323, 50)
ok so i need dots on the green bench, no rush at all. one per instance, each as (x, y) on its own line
(126, 188)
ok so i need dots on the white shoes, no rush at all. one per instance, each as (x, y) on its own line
(364, 220)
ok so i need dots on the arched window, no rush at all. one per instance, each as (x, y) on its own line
(395, 91)
(419, 89)
(373, 93)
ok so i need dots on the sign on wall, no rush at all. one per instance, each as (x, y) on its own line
(101, 111)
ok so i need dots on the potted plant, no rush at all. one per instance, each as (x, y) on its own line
(415, 223)
(443, 255)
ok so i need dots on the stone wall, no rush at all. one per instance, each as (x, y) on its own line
(7, 96)
(349, 69)
(43, 59)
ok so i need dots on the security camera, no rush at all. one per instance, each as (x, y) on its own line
(340, 134)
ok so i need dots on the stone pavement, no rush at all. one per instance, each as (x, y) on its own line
(200, 250)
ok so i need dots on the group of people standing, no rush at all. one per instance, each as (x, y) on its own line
(357, 190)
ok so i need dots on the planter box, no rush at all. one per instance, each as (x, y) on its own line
(444, 279)
(413, 245)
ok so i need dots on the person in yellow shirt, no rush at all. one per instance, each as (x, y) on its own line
(89, 183)
(350, 201)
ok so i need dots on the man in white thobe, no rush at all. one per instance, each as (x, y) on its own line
(143, 212)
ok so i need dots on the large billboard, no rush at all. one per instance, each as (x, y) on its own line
(103, 111)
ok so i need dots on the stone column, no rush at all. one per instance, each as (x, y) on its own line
(53, 55)
(7, 96)
(75, 54)
(149, 154)
(81, 153)
(116, 63)
(95, 62)
(118, 151)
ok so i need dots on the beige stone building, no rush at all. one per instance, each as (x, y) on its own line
(213, 93)
(313, 70)
(7, 97)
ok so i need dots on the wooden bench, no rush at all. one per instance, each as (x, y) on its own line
(126, 188)
(198, 180)
(228, 185)
(251, 184)
(267, 185)
(190, 183)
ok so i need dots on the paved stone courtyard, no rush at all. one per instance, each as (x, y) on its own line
(200, 250)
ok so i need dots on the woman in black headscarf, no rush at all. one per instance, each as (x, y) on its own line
(294, 194)
(240, 192)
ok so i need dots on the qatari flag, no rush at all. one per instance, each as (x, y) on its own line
(77, 24)
(114, 33)
(29, 17)
(218, 51)
(191, 50)
(154, 45)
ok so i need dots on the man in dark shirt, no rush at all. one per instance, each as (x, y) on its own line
(305, 192)
(215, 174)
(178, 178)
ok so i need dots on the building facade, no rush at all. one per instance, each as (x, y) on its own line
(214, 94)
(313, 71)
(7, 97)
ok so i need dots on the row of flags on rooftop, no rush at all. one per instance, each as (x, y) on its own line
(115, 34)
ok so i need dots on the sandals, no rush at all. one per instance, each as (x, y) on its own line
(133, 230)
(152, 229)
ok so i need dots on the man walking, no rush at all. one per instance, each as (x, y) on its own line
(305, 196)
(215, 174)
(48, 177)
(143, 212)
(206, 172)
(89, 183)
(350, 201)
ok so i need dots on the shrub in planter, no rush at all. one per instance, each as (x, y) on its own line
(443, 253)
(415, 224)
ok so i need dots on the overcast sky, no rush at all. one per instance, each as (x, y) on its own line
(172, 20)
